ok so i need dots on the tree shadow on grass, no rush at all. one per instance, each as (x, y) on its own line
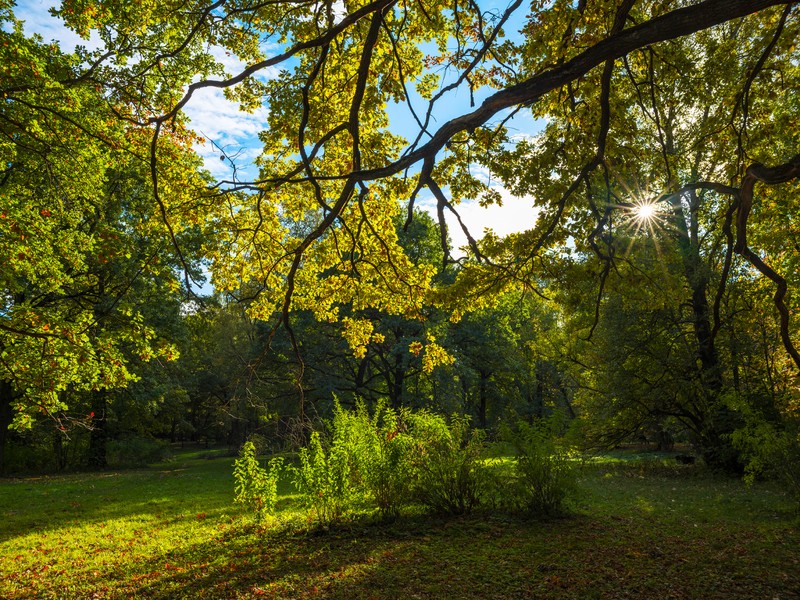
(417, 558)
(578, 557)
(617, 549)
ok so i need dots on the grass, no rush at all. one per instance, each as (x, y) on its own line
(639, 529)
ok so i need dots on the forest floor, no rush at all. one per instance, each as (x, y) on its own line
(638, 529)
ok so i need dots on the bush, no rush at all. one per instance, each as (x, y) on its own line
(256, 488)
(381, 449)
(324, 478)
(449, 477)
(544, 474)
(388, 460)
(365, 460)
(771, 452)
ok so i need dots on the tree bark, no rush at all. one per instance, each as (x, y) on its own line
(483, 394)
(98, 437)
(6, 417)
(396, 390)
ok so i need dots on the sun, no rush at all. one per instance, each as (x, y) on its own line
(644, 218)
(645, 212)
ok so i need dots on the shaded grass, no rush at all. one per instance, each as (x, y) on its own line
(640, 529)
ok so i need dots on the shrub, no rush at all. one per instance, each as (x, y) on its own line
(380, 450)
(544, 474)
(446, 463)
(324, 478)
(390, 459)
(256, 488)
(365, 460)
(771, 452)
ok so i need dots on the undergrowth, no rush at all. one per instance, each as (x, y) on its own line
(394, 461)
(170, 531)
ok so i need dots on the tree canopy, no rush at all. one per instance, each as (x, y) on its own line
(669, 124)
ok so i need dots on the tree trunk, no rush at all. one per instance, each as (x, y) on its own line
(59, 450)
(537, 398)
(482, 398)
(6, 416)
(396, 388)
(716, 419)
(99, 434)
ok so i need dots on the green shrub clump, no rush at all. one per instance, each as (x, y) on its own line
(450, 477)
(256, 488)
(324, 478)
(363, 460)
(771, 452)
(382, 453)
(389, 460)
(544, 474)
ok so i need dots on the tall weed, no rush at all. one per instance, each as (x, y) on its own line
(325, 478)
(256, 488)
(366, 461)
(385, 458)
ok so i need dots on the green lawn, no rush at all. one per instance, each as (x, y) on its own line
(638, 530)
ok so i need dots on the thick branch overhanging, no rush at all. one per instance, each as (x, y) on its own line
(771, 176)
(675, 24)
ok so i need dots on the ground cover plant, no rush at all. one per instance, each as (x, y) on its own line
(642, 527)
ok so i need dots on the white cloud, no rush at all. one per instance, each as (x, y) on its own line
(37, 18)
(339, 10)
(234, 66)
(516, 214)
(228, 130)
(232, 131)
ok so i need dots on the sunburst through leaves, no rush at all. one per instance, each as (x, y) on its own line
(643, 217)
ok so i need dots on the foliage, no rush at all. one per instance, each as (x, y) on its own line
(450, 478)
(382, 450)
(80, 240)
(256, 488)
(545, 471)
(316, 231)
(367, 461)
(325, 478)
(389, 460)
(771, 448)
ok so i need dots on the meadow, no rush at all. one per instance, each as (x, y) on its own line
(642, 526)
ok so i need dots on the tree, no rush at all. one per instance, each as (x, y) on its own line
(315, 230)
(504, 360)
(79, 238)
(330, 155)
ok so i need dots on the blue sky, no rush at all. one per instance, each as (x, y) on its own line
(236, 132)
